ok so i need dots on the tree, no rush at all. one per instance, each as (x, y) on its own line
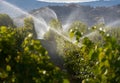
(95, 62)
(5, 20)
(28, 63)
(29, 23)
(55, 23)
(79, 26)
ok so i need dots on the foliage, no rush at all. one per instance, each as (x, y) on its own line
(24, 60)
(101, 60)
(115, 31)
(97, 60)
(79, 26)
(5, 20)
(106, 68)
(29, 23)
(77, 67)
(78, 29)
(55, 23)
(49, 35)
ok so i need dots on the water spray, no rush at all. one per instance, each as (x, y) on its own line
(41, 21)
(66, 38)
(36, 20)
(75, 15)
(104, 29)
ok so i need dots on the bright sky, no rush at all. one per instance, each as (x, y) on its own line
(67, 1)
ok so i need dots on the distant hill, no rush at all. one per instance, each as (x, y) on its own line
(34, 4)
(101, 3)
(29, 5)
(87, 14)
(72, 12)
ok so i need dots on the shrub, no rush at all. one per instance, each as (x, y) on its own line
(25, 61)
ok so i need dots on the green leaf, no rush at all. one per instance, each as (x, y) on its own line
(66, 81)
(71, 34)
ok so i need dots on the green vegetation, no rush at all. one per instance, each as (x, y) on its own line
(5, 20)
(24, 60)
(97, 60)
(51, 35)
(55, 23)
(29, 23)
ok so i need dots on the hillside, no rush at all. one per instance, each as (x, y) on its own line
(100, 3)
(90, 15)
(34, 4)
